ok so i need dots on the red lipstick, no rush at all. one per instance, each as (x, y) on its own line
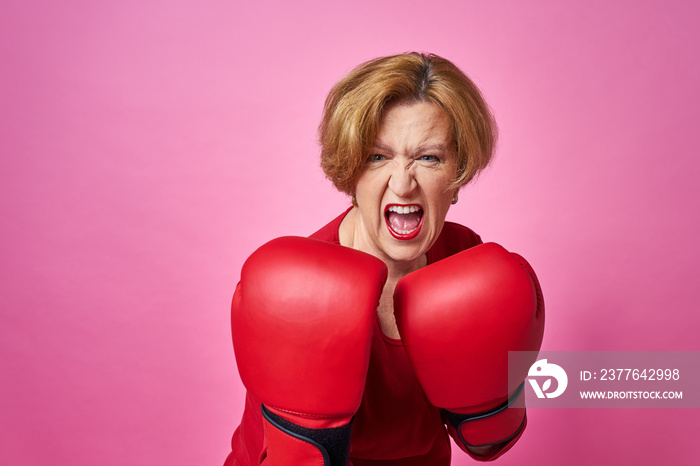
(392, 211)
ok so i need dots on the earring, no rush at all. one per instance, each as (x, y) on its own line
(455, 199)
(354, 201)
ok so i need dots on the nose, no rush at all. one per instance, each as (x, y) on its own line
(403, 180)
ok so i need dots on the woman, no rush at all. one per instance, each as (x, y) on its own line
(362, 354)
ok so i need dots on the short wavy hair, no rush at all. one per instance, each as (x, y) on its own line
(356, 104)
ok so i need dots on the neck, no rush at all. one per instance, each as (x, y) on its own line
(398, 270)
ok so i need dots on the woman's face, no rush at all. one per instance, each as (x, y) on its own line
(403, 194)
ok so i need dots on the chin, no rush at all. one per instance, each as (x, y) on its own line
(406, 252)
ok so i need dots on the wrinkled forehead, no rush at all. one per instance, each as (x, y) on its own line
(419, 123)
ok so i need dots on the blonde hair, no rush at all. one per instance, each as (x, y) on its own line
(355, 106)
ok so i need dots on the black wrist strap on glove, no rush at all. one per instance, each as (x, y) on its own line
(333, 443)
(457, 420)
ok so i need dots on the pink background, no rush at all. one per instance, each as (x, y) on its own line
(149, 146)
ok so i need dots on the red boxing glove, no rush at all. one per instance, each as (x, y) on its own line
(458, 318)
(302, 319)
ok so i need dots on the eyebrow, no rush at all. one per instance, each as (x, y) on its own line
(382, 147)
(422, 148)
(432, 147)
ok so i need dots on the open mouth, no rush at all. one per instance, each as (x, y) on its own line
(403, 221)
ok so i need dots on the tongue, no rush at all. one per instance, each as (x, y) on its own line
(404, 222)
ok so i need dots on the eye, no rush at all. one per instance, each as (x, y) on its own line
(376, 158)
(430, 158)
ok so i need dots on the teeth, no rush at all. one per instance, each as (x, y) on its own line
(403, 209)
